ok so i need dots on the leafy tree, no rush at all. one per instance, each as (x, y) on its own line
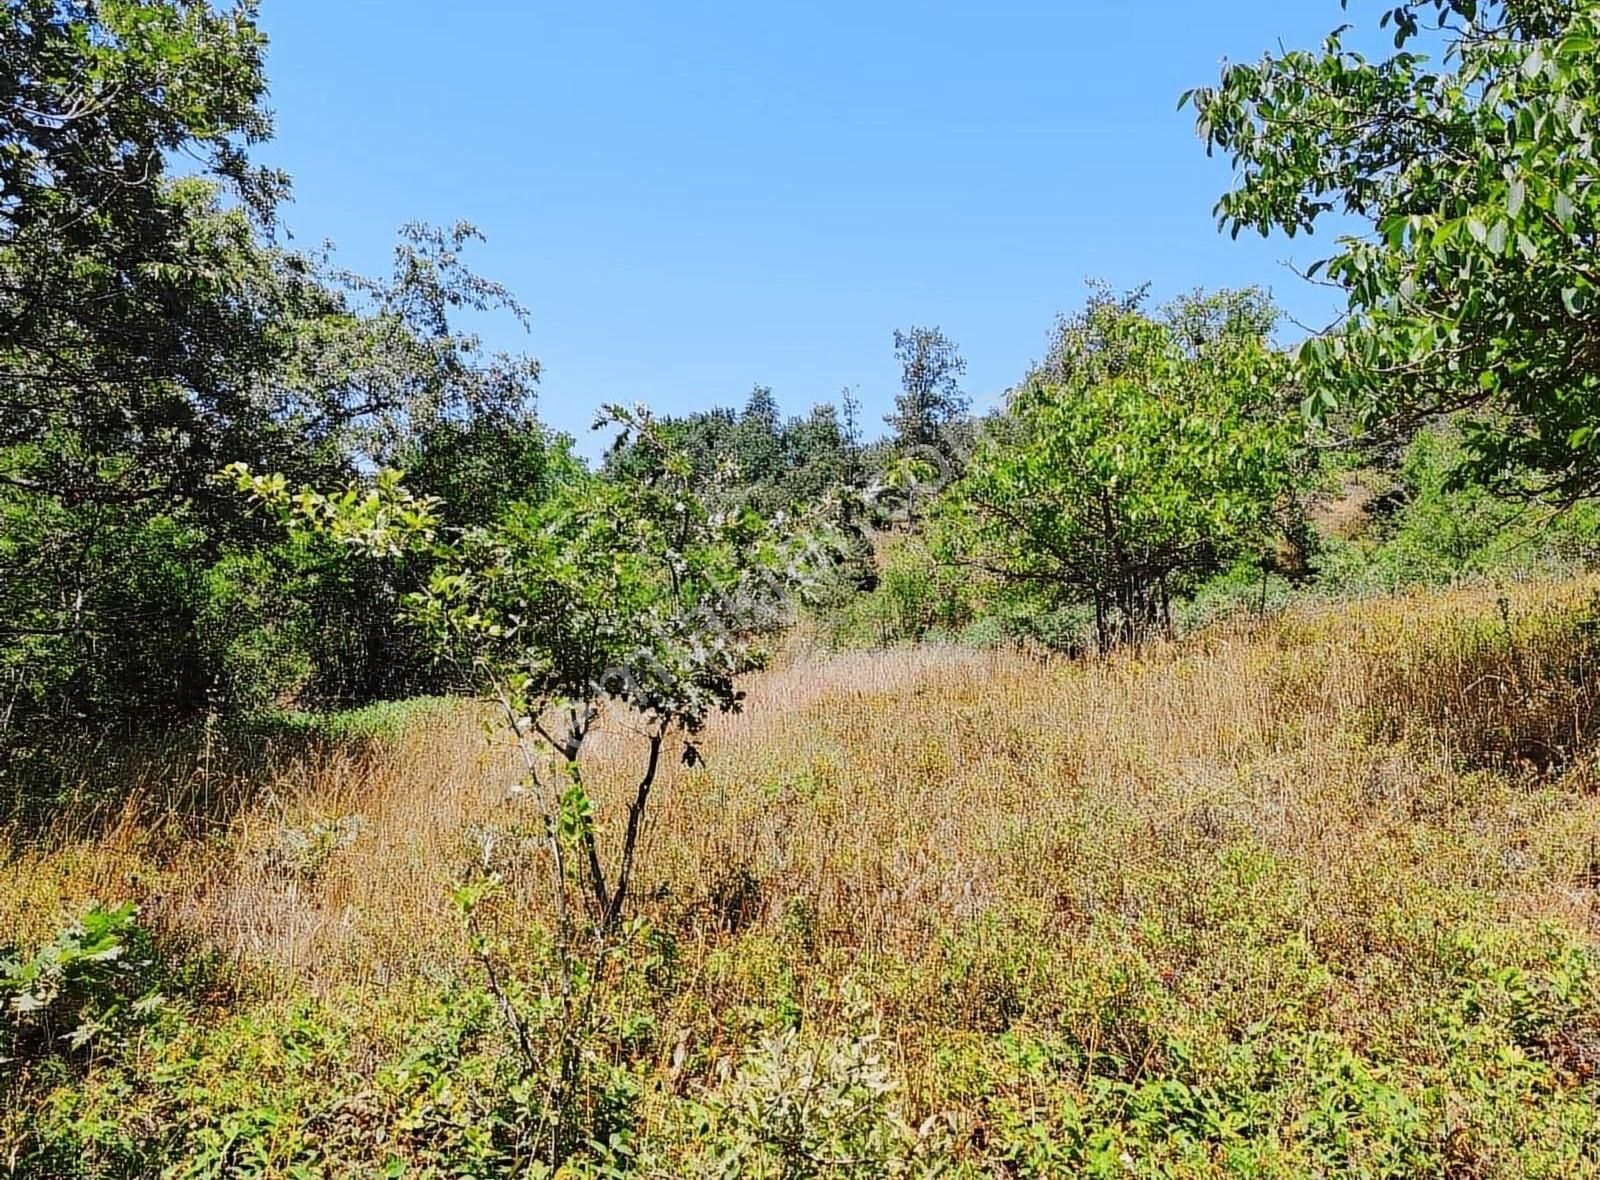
(1148, 456)
(1477, 169)
(815, 461)
(116, 538)
(375, 371)
(930, 397)
(119, 295)
(478, 467)
(758, 444)
(707, 438)
(630, 595)
(908, 480)
(131, 308)
(377, 364)
(754, 458)
(850, 437)
(150, 332)
(636, 593)
(1426, 525)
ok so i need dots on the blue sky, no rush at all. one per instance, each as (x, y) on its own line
(696, 197)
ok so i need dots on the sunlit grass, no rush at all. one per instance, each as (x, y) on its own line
(1317, 837)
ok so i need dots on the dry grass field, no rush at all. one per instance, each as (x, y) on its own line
(1312, 896)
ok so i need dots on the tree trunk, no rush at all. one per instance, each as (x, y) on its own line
(630, 840)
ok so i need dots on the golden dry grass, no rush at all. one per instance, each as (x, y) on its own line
(1317, 896)
(889, 797)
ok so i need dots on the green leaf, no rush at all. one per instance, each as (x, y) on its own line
(1563, 209)
(1516, 195)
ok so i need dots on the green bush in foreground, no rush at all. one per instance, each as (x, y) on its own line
(91, 982)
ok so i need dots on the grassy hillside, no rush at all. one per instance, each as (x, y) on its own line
(1314, 897)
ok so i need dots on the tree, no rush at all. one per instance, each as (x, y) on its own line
(708, 438)
(634, 593)
(152, 331)
(479, 467)
(1477, 169)
(754, 458)
(850, 437)
(758, 444)
(1147, 453)
(815, 457)
(116, 545)
(908, 478)
(119, 296)
(930, 397)
(633, 596)
(130, 313)
(371, 365)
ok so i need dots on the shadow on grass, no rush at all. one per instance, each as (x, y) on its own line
(189, 779)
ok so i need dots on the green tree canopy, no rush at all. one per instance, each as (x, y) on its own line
(1146, 452)
(1472, 154)
(752, 458)
(152, 331)
(636, 591)
(930, 398)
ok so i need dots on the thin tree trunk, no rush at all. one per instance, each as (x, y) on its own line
(630, 840)
(591, 852)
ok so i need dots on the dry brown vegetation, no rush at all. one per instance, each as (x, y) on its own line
(891, 794)
(1289, 823)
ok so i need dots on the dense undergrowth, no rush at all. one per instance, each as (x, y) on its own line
(1309, 897)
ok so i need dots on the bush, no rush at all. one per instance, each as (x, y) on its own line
(93, 981)
(253, 631)
(1245, 589)
(799, 1108)
(916, 596)
(1435, 527)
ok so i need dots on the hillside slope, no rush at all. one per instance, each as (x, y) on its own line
(1314, 897)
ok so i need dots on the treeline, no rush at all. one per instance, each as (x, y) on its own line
(1156, 463)
(152, 330)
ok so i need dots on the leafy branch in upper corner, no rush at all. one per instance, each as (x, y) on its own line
(1476, 290)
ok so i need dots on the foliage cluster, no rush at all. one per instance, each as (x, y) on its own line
(155, 330)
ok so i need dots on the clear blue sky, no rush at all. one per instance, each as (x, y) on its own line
(696, 197)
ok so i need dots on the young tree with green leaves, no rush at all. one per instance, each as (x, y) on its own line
(638, 594)
(1472, 154)
(1147, 453)
(930, 398)
(634, 598)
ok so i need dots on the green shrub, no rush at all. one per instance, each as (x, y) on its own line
(253, 631)
(916, 597)
(806, 1108)
(1436, 526)
(92, 982)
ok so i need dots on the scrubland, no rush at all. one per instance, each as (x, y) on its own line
(1315, 895)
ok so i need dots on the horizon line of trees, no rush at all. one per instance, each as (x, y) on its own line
(153, 331)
